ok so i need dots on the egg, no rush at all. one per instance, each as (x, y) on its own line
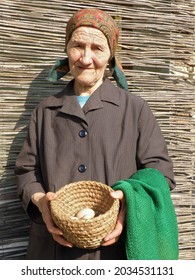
(86, 213)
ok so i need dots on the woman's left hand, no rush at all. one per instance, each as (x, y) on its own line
(113, 237)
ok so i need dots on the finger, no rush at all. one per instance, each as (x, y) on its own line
(62, 241)
(50, 196)
(51, 226)
(119, 224)
(110, 242)
(53, 229)
(117, 194)
(115, 233)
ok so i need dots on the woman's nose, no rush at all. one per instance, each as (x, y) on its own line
(86, 57)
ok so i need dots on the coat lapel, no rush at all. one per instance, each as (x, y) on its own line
(69, 104)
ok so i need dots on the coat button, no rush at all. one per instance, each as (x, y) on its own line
(82, 168)
(82, 133)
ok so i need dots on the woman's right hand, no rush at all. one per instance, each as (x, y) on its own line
(42, 201)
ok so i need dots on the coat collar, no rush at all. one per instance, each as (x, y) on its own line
(67, 100)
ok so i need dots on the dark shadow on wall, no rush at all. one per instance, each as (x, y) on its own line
(14, 222)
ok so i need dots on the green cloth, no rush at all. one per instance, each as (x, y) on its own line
(151, 224)
(58, 70)
(117, 74)
(61, 68)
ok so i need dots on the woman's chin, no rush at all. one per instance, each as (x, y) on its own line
(86, 82)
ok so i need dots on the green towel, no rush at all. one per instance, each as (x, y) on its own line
(151, 224)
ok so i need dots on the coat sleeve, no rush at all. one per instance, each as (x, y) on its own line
(152, 149)
(27, 169)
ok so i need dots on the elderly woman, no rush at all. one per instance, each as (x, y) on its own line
(92, 130)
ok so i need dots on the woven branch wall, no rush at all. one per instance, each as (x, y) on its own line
(157, 49)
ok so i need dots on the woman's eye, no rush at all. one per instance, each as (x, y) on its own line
(78, 46)
(98, 48)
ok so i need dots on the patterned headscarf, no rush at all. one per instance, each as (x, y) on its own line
(97, 19)
(101, 20)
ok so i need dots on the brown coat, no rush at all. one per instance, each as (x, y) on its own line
(113, 136)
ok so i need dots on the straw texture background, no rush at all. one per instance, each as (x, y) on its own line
(157, 49)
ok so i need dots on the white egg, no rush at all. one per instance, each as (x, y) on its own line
(86, 213)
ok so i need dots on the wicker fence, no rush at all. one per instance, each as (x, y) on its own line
(157, 49)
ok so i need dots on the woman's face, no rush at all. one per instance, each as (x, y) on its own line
(88, 53)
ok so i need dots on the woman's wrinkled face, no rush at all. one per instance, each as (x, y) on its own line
(88, 54)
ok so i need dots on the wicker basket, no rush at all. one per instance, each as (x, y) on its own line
(76, 196)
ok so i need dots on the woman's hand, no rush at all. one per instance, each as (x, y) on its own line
(42, 201)
(113, 237)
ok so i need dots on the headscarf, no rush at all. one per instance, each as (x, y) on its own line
(97, 19)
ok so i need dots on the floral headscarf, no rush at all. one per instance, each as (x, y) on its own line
(97, 19)
(101, 20)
